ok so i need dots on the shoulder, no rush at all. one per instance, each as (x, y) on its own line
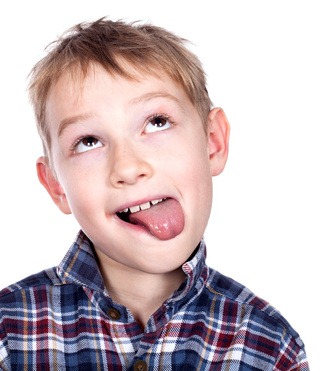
(257, 312)
(45, 278)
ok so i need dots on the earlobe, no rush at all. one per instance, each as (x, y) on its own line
(49, 180)
(218, 140)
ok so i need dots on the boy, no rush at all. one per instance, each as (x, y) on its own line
(130, 147)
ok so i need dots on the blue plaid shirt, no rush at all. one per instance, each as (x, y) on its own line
(64, 319)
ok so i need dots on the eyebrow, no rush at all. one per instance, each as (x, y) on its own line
(142, 98)
(154, 95)
(72, 120)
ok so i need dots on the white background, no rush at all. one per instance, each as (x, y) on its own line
(264, 64)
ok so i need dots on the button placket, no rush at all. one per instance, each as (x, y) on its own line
(113, 314)
(140, 365)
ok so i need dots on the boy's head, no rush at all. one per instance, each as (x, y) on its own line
(116, 46)
(131, 143)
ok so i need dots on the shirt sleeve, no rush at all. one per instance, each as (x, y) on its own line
(4, 354)
(292, 356)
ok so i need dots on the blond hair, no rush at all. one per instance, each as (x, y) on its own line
(145, 47)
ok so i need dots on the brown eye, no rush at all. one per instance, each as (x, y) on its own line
(157, 123)
(89, 141)
(87, 144)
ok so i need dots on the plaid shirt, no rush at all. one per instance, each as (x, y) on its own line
(64, 319)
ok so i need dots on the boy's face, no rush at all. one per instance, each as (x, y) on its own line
(118, 144)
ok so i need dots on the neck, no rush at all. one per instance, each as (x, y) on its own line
(141, 292)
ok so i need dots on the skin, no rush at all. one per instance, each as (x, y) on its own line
(126, 160)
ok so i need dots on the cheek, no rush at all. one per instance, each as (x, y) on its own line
(187, 152)
(198, 180)
(79, 188)
(195, 166)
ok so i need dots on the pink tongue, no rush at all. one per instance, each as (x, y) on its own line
(164, 220)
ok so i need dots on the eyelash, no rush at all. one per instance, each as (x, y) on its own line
(158, 116)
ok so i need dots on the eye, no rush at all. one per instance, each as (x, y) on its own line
(157, 123)
(86, 144)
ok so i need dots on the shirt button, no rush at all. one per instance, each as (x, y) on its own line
(114, 314)
(140, 366)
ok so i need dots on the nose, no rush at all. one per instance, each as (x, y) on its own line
(128, 166)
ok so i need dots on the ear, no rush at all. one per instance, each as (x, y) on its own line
(48, 179)
(218, 140)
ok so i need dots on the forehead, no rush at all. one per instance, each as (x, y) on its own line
(75, 89)
(75, 75)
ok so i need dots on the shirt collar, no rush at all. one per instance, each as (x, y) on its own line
(196, 273)
(80, 266)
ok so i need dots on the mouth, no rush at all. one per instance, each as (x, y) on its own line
(125, 213)
(163, 218)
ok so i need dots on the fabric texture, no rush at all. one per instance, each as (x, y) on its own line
(64, 319)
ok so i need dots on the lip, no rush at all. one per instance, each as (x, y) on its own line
(133, 227)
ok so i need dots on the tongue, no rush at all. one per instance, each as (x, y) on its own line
(164, 220)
